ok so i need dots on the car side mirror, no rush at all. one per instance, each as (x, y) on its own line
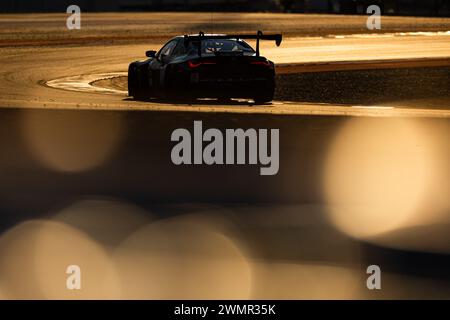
(150, 53)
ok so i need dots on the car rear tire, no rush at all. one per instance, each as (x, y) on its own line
(266, 95)
(132, 80)
(138, 87)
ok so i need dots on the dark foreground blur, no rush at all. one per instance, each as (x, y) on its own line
(98, 189)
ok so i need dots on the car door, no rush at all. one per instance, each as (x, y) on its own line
(158, 65)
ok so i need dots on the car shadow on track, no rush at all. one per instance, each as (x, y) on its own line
(201, 101)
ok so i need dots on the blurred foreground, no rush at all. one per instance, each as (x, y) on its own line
(97, 189)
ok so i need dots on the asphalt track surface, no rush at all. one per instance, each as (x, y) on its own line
(26, 83)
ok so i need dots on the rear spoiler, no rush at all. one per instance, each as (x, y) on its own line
(259, 36)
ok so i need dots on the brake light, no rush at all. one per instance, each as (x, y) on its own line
(262, 63)
(193, 65)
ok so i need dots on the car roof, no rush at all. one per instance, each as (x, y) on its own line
(206, 35)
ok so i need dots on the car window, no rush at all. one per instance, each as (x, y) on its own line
(179, 50)
(168, 48)
(214, 45)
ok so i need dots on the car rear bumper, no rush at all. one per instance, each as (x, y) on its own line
(223, 87)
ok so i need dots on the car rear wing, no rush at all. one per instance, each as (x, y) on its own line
(258, 36)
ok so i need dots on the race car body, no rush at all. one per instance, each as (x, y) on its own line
(205, 66)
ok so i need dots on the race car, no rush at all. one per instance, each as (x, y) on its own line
(205, 66)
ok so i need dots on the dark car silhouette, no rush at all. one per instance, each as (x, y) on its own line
(205, 66)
